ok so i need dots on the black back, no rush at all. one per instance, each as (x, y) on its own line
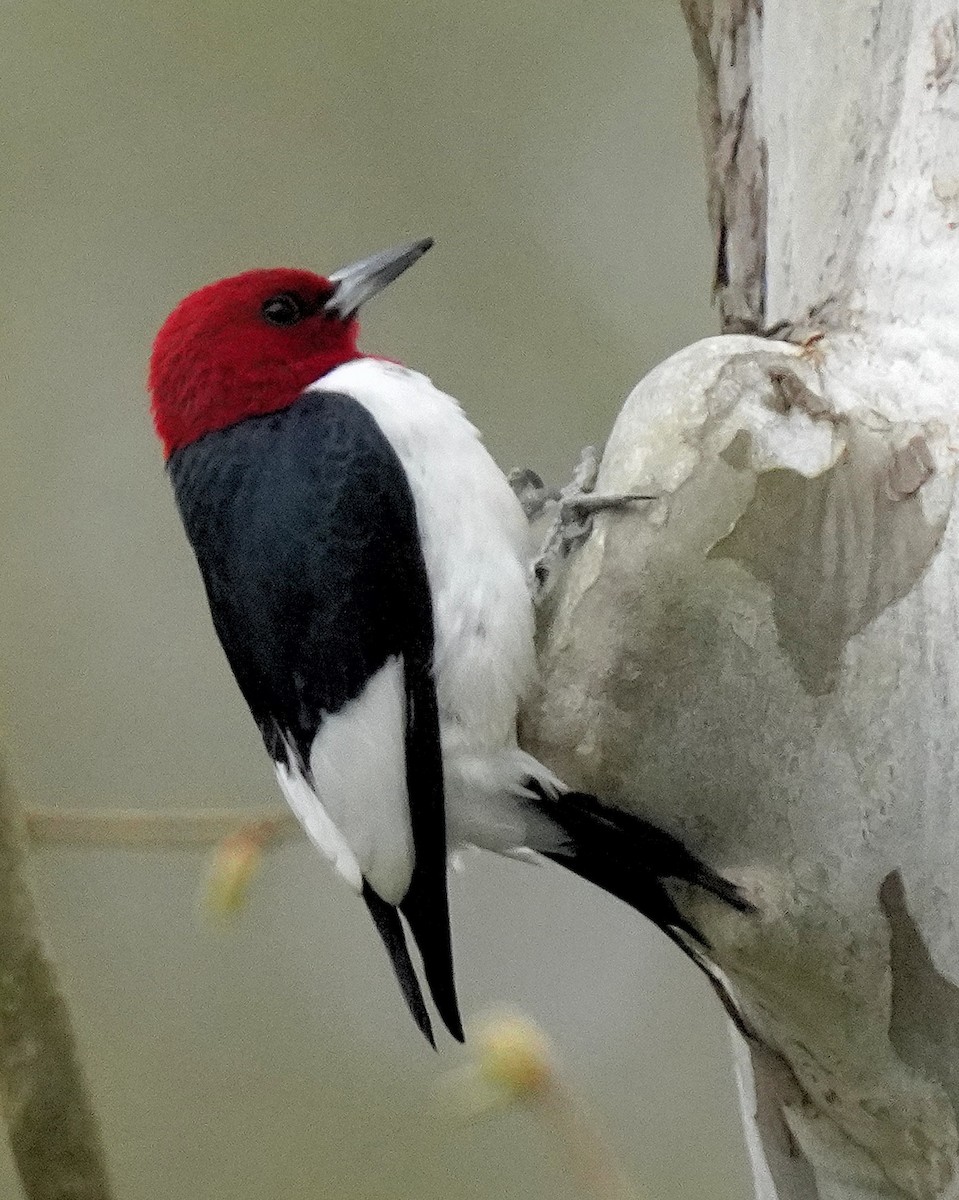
(305, 533)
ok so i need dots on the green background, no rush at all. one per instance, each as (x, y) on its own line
(553, 153)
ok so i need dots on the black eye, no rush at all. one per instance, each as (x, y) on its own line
(285, 309)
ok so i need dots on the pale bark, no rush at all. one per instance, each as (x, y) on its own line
(767, 659)
(51, 1127)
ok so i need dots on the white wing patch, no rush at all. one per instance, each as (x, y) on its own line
(319, 828)
(359, 816)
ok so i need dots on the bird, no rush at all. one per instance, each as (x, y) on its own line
(366, 564)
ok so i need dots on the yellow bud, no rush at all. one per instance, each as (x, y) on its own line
(512, 1054)
(235, 861)
(513, 1064)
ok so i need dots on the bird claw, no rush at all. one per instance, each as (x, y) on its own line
(573, 508)
(581, 507)
(530, 491)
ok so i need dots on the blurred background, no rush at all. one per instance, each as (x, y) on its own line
(553, 153)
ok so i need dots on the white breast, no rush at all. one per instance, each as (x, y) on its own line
(476, 545)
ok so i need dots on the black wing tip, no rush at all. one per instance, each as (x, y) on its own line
(442, 985)
(447, 1006)
(426, 1029)
(437, 967)
(432, 936)
(454, 1023)
(386, 918)
(421, 1018)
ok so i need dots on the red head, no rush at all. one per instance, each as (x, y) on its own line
(250, 344)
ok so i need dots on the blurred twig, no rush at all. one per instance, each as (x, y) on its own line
(514, 1064)
(235, 862)
(50, 1122)
(137, 828)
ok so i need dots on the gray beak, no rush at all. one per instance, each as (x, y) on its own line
(354, 285)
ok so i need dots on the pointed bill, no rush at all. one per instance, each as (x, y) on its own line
(356, 284)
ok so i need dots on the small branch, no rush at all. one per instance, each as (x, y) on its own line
(133, 828)
(514, 1065)
(51, 1126)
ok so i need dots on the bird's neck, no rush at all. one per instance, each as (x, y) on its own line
(224, 395)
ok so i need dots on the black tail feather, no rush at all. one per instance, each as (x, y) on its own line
(386, 918)
(630, 858)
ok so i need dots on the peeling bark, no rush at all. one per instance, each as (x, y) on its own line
(924, 1018)
(722, 38)
(873, 543)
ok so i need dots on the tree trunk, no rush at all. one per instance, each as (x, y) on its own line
(765, 659)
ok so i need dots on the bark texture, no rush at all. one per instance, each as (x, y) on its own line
(765, 660)
(50, 1124)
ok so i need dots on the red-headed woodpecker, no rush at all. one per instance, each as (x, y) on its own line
(366, 564)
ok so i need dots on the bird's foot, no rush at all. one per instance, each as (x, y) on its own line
(530, 491)
(572, 507)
